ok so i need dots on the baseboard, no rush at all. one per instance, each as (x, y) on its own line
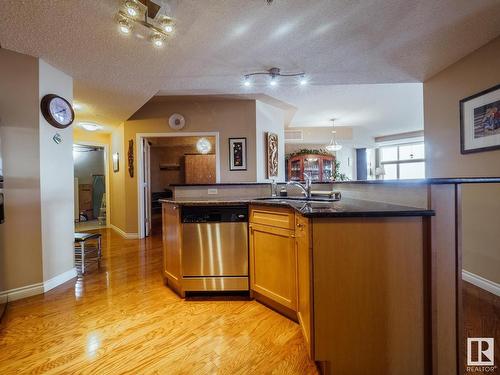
(128, 236)
(481, 282)
(59, 279)
(22, 292)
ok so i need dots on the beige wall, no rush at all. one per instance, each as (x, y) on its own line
(117, 181)
(480, 211)
(481, 234)
(229, 117)
(442, 93)
(20, 235)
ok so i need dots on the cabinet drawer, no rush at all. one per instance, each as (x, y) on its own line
(272, 216)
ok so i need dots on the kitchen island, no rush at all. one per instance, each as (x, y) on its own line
(354, 274)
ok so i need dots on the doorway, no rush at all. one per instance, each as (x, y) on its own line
(172, 159)
(90, 185)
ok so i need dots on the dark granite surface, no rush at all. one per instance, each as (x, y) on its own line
(317, 208)
(427, 181)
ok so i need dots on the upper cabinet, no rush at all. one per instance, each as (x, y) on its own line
(319, 167)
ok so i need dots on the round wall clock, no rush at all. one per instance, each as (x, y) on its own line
(57, 111)
(176, 121)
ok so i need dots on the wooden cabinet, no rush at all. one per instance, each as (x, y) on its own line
(273, 258)
(199, 169)
(304, 279)
(172, 246)
(319, 167)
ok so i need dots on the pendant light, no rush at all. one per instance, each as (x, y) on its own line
(333, 145)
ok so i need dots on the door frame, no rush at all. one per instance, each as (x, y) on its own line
(140, 170)
(106, 173)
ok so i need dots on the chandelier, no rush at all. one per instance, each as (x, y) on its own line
(274, 75)
(333, 145)
(146, 13)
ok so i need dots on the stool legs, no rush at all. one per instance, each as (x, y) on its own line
(99, 252)
(82, 247)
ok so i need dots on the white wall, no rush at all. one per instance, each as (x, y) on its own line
(56, 180)
(269, 119)
(347, 158)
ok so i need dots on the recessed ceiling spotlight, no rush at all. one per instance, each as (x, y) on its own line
(90, 126)
(132, 8)
(157, 40)
(303, 80)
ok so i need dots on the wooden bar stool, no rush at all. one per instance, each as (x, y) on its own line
(87, 251)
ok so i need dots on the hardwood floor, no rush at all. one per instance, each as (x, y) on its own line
(123, 320)
(481, 318)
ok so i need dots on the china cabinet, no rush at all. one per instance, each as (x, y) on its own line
(319, 167)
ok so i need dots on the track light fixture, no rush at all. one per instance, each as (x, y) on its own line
(275, 75)
(147, 14)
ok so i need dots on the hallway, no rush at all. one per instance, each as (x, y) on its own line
(122, 319)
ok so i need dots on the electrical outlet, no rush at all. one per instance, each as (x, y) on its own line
(212, 192)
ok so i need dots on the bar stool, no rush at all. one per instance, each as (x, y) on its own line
(87, 251)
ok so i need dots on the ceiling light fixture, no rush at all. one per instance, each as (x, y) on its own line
(203, 146)
(333, 145)
(90, 126)
(147, 14)
(247, 82)
(275, 74)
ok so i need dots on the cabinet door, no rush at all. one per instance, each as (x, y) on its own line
(171, 243)
(273, 264)
(304, 271)
(200, 169)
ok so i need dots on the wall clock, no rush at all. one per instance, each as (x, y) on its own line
(57, 111)
(176, 121)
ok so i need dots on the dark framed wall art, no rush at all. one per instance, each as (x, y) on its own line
(237, 154)
(480, 121)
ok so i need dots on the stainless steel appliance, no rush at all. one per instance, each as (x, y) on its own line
(215, 248)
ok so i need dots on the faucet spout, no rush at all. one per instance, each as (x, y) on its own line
(306, 189)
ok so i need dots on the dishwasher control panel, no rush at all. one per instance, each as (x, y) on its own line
(214, 214)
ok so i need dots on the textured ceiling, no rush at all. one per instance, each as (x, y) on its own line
(335, 41)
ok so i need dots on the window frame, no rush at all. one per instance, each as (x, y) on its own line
(398, 161)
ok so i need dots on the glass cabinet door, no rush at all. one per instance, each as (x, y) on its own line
(295, 170)
(327, 170)
(311, 167)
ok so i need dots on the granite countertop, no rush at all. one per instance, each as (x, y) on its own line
(346, 207)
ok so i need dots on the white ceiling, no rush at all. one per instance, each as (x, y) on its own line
(334, 41)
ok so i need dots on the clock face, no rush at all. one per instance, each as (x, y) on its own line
(61, 111)
(57, 111)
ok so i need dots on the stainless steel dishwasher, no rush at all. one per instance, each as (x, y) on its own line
(215, 248)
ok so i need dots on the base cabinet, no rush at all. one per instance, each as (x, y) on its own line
(273, 264)
(172, 262)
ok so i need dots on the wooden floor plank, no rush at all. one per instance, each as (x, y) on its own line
(121, 319)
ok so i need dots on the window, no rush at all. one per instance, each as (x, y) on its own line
(404, 161)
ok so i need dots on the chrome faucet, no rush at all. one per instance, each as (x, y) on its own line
(306, 189)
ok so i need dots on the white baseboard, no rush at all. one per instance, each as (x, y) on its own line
(481, 282)
(59, 279)
(22, 292)
(128, 236)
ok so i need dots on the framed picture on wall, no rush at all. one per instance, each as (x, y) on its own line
(237, 154)
(116, 162)
(480, 121)
(272, 155)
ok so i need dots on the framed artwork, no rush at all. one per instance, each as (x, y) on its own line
(480, 121)
(131, 158)
(116, 162)
(272, 155)
(237, 154)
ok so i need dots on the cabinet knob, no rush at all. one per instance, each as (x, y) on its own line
(299, 225)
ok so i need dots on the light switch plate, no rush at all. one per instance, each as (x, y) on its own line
(212, 192)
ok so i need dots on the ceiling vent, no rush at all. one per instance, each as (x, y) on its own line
(294, 135)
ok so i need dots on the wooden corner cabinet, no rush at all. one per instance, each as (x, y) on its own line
(319, 167)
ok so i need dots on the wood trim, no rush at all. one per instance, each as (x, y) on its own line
(458, 277)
